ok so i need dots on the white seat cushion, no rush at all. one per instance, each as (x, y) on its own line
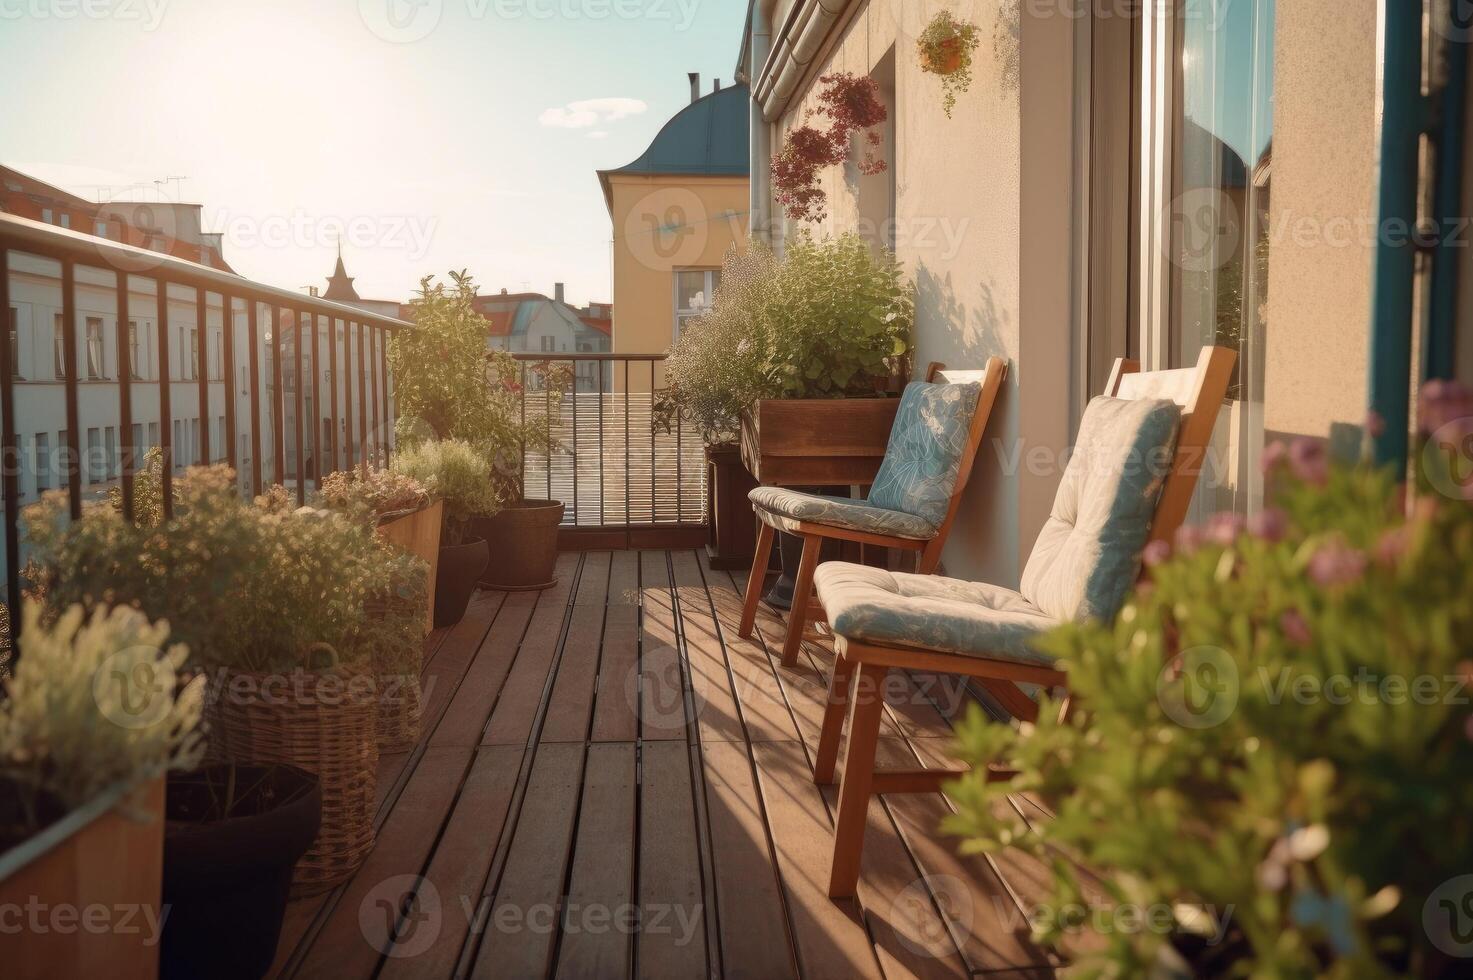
(929, 612)
(785, 509)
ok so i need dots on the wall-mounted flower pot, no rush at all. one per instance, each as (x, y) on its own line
(228, 875)
(461, 566)
(523, 541)
(943, 59)
(107, 855)
(418, 532)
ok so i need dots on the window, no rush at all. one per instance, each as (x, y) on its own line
(110, 446)
(100, 229)
(153, 434)
(95, 366)
(66, 220)
(694, 291)
(46, 216)
(189, 366)
(63, 455)
(43, 461)
(136, 449)
(194, 453)
(94, 465)
(135, 354)
(549, 345)
(58, 346)
(15, 371)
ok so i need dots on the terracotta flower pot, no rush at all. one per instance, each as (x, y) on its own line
(944, 58)
(455, 581)
(523, 543)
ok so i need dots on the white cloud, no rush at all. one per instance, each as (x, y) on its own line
(599, 134)
(587, 113)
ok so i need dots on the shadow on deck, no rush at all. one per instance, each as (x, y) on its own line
(610, 783)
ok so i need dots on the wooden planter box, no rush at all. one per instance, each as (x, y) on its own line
(817, 442)
(95, 882)
(418, 533)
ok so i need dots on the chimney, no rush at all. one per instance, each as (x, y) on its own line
(717, 86)
(695, 85)
(557, 292)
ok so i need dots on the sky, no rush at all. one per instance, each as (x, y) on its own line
(427, 135)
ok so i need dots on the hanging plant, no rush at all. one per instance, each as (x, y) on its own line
(852, 103)
(946, 47)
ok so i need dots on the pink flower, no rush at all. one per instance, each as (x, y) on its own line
(1275, 454)
(1309, 461)
(1156, 553)
(1392, 545)
(1188, 539)
(1269, 525)
(1224, 528)
(1442, 403)
(1335, 564)
(1296, 628)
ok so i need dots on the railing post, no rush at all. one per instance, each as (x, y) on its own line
(317, 405)
(297, 388)
(253, 360)
(278, 396)
(166, 411)
(362, 403)
(10, 458)
(202, 367)
(227, 369)
(348, 394)
(332, 388)
(125, 395)
(69, 356)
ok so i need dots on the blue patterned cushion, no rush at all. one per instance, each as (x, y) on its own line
(929, 612)
(924, 456)
(1087, 557)
(786, 509)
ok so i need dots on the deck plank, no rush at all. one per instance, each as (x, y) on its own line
(616, 708)
(663, 710)
(521, 698)
(671, 941)
(598, 916)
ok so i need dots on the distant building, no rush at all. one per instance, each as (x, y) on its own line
(340, 290)
(160, 226)
(533, 323)
(676, 210)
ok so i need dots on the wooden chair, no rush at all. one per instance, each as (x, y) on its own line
(913, 534)
(862, 664)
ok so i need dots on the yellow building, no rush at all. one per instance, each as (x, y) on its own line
(675, 212)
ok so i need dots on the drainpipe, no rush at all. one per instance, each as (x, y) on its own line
(760, 181)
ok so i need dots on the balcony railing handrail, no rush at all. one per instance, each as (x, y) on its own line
(49, 241)
(535, 356)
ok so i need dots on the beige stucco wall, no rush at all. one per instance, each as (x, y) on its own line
(959, 231)
(661, 224)
(1323, 207)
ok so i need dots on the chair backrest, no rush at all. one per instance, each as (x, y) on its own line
(1199, 392)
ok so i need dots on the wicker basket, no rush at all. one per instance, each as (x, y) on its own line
(323, 723)
(400, 706)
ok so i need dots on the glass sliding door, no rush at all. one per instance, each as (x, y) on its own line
(1217, 234)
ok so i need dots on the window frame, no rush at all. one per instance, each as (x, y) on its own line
(711, 280)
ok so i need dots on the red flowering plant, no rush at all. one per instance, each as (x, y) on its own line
(1270, 761)
(852, 104)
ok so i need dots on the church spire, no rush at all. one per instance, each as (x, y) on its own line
(340, 286)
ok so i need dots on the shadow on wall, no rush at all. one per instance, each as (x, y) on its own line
(974, 334)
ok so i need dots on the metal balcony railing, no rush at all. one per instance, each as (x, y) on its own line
(140, 350)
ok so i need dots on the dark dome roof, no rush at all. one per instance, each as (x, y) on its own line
(709, 136)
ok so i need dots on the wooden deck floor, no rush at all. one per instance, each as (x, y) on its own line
(610, 783)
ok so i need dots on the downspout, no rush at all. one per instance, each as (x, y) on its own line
(797, 49)
(760, 169)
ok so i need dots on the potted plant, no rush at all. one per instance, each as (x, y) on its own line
(945, 48)
(1285, 703)
(93, 716)
(793, 359)
(450, 386)
(852, 105)
(271, 600)
(460, 476)
(402, 513)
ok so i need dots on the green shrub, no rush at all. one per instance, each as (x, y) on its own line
(828, 320)
(249, 587)
(1277, 725)
(449, 385)
(95, 702)
(456, 472)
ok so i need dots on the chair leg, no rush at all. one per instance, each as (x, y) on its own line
(833, 721)
(802, 591)
(855, 787)
(755, 578)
